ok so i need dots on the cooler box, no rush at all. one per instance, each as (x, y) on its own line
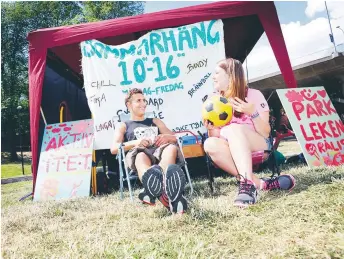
(190, 140)
(191, 148)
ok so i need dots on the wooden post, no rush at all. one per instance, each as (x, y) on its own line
(94, 171)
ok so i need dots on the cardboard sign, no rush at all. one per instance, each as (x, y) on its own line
(172, 66)
(64, 169)
(316, 124)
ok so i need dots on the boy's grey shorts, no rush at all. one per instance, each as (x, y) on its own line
(154, 153)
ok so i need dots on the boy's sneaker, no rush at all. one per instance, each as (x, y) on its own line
(174, 182)
(282, 182)
(174, 187)
(152, 184)
(247, 194)
(164, 200)
(146, 198)
(180, 206)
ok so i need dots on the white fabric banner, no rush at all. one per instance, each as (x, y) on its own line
(172, 66)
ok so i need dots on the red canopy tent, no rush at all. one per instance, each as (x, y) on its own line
(244, 23)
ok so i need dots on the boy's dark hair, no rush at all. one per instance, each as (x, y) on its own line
(130, 93)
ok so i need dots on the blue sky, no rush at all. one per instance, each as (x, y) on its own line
(287, 11)
(304, 25)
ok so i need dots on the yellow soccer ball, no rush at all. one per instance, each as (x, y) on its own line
(217, 111)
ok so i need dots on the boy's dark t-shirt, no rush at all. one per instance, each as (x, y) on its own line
(140, 130)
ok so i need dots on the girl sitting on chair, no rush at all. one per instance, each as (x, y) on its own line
(230, 147)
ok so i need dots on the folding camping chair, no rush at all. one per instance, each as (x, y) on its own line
(131, 175)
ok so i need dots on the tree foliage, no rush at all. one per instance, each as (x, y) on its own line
(93, 11)
(17, 20)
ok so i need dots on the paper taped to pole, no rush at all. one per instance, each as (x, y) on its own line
(172, 66)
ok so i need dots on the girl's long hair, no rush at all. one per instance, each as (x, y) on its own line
(237, 82)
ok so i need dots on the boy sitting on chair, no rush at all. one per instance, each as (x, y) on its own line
(153, 154)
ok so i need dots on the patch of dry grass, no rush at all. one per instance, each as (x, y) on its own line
(11, 193)
(307, 223)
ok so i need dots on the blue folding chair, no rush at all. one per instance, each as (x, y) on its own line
(131, 175)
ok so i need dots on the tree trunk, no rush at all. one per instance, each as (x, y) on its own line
(14, 156)
(12, 139)
(12, 122)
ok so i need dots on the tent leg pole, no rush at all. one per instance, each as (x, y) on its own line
(26, 196)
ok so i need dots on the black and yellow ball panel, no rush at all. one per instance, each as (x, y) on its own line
(217, 111)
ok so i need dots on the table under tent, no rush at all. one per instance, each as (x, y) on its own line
(55, 78)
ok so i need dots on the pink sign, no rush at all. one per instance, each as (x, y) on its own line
(64, 169)
(316, 124)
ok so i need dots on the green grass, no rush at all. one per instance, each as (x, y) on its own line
(14, 170)
(306, 223)
(11, 193)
